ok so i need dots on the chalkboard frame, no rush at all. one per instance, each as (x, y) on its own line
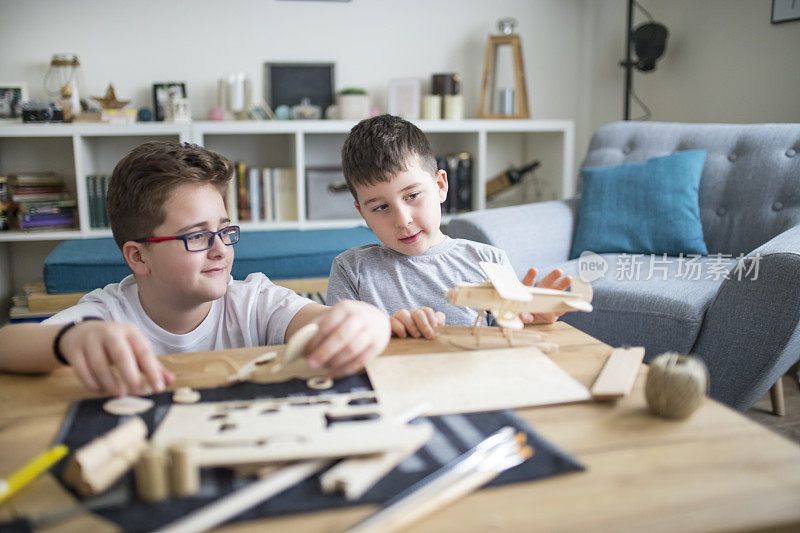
(288, 83)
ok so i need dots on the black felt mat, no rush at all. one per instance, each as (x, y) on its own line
(454, 434)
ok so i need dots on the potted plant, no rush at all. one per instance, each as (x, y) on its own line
(353, 104)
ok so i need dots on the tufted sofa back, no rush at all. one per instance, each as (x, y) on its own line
(750, 188)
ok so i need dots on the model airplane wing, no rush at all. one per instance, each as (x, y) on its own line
(505, 282)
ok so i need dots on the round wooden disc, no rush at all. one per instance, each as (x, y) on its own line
(128, 405)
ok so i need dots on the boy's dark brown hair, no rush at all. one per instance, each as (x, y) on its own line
(380, 147)
(142, 180)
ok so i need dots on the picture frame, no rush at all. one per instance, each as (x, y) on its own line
(12, 96)
(161, 94)
(404, 97)
(785, 11)
(288, 83)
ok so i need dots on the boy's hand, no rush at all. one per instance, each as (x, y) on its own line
(553, 280)
(350, 335)
(416, 322)
(94, 348)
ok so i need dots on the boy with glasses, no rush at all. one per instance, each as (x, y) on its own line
(165, 204)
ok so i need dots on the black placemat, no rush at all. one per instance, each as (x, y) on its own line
(453, 435)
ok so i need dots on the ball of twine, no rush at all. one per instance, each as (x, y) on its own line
(676, 385)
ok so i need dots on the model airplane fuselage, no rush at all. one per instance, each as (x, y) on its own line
(506, 297)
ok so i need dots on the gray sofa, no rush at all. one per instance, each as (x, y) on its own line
(745, 325)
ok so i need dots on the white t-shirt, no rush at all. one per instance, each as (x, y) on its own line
(253, 312)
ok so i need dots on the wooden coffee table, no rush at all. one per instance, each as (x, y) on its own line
(716, 471)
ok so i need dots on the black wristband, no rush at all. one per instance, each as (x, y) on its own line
(56, 349)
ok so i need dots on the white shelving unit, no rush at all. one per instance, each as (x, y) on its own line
(77, 150)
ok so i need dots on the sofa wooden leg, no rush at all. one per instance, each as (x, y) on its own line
(776, 395)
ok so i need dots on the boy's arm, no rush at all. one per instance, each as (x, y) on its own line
(91, 348)
(554, 280)
(350, 335)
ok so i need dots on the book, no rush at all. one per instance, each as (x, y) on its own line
(267, 200)
(231, 204)
(243, 200)
(42, 301)
(254, 186)
(103, 192)
(452, 191)
(286, 199)
(91, 195)
(464, 182)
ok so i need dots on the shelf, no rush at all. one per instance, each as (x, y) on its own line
(20, 236)
(77, 150)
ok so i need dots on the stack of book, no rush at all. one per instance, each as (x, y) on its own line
(5, 205)
(96, 190)
(41, 201)
(34, 304)
(257, 194)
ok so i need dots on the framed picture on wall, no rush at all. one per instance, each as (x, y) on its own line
(161, 94)
(785, 10)
(288, 83)
(12, 95)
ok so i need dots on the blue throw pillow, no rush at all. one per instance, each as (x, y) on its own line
(648, 208)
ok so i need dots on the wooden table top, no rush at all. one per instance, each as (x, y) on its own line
(715, 471)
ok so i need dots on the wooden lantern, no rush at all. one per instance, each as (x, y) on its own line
(489, 74)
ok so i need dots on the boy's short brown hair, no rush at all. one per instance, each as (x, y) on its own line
(142, 180)
(380, 147)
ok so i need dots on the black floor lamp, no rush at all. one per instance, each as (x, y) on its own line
(648, 40)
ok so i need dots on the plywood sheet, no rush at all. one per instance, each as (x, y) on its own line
(474, 381)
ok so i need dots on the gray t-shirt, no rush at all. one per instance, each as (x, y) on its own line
(392, 281)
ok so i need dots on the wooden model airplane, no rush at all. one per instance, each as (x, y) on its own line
(506, 297)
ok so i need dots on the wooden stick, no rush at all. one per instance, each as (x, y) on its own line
(617, 377)
(477, 467)
(246, 498)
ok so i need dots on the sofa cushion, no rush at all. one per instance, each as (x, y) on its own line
(646, 207)
(83, 265)
(662, 313)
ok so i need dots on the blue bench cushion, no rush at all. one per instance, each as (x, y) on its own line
(662, 314)
(83, 265)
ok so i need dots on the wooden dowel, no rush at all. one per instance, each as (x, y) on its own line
(243, 499)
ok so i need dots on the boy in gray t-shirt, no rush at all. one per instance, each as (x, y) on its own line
(391, 171)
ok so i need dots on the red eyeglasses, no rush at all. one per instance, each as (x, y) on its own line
(199, 241)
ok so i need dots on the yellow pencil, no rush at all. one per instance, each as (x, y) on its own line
(27, 473)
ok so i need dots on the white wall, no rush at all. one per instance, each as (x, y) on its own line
(725, 62)
(137, 43)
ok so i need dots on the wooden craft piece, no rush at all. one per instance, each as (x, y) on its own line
(95, 466)
(231, 505)
(320, 383)
(128, 405)
(296, 346)
(185, 395)
(355, 476)
(283, 429)
(184, 472)
(221, 361)
(505, 282)
(462, 382)
(617, 376)
(151, 470)
(249, 368)
(506, 297)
